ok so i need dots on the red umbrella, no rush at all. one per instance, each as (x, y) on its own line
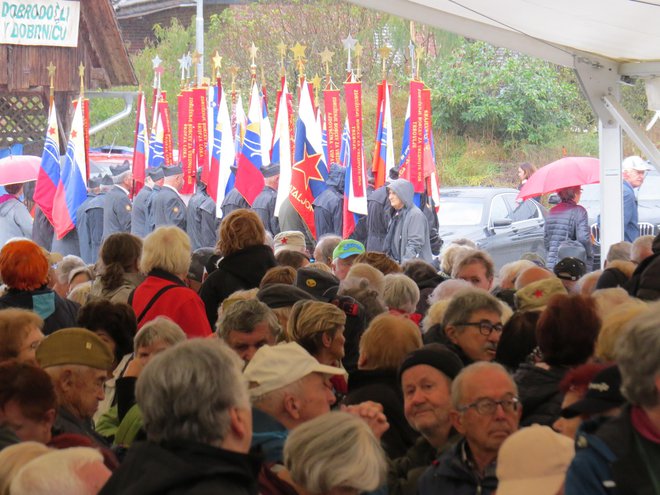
(568, 172)
(18, 169)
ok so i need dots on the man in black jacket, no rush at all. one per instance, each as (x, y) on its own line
(198, 433)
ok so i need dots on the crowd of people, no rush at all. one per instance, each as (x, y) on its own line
(265, 365)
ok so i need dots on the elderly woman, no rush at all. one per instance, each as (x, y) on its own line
(165, 260)
(24, 269)
(383, 347)
(567, 221)
(566, 334)
(334, 454)
(20, 335)
(245, 260)
(120, 255)
(319, 328)
(401, 296)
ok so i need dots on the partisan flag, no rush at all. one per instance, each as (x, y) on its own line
(384, 144)
(281, 152)
(354, 206)
(156, 156)
(223, 155)
(141, 147)
(72, 188)
(309, 171)
(49, 172)
(249, 180)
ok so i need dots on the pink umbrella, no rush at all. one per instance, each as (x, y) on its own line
(18, 169)
(567, 172)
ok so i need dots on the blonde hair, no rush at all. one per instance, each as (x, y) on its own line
(401, 292)
(435, 314)
(374, 276)
(335, 450)
(613, 327)
(608, 300)
(14, 457)
(308, 320)
(80, 293)
(166, 248)
(240, 229)
(450, 255)
(15, 326)
(388, 340)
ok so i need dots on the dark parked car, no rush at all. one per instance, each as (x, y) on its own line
(494, 220)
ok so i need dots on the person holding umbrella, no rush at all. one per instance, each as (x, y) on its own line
(15, 219)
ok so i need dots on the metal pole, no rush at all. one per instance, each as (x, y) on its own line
(199, 35)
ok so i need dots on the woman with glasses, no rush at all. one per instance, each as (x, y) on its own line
(566, 333)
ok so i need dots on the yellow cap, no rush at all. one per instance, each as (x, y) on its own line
(74, 346)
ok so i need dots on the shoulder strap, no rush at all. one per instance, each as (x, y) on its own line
(153, 300)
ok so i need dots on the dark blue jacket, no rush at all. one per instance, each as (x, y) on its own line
(264, 206)
(630, 214)
(378, 218)
(140, 215)
(567, 221)
(169, 209)
(268, 437)
(329, 205)
(233, 201)
(201, 221)
(451, 474)
(116, 212)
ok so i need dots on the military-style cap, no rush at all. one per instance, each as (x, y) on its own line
(74, 346)
(535, 296)
(94, 182)
(271, 170)
(156, 173)
(316, 282)
(281, 295)
(292, 240)
(120, 169)
(107, 181)
(173, 170)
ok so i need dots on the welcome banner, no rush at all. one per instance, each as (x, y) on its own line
(39, 22)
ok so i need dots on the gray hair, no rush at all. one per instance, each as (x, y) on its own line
(619, 251)
(639, 245)
(511, 270)
(471, 257)
(55, 472)
(447, 289)
(465, 373)
(334, 450)
(119, 179)
(467, 302)
(66, 266)
(243, 316)
(326, 246)
(186, 392)
(160, 328)
(637, 357)
(401, 292)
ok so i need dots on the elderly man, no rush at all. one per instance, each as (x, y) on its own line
(142, 203)
(641, 249)
(117, 204)
(473, 325)
(475, 267)
(325, 247)
(246, 326)
(78, 363)
(344, 256)
(634, 170)
(621, 455)
(168, 208)
(198, 432)
(485, 411)
(425, 376)
(264, 204)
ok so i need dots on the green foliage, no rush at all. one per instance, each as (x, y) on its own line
(486, 92)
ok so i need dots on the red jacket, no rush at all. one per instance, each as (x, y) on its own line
(180, 304)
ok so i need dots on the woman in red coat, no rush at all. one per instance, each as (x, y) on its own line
(166, 257)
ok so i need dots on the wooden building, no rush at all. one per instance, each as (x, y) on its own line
(24, 79)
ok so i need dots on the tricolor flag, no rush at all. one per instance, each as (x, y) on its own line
(49, 172)
(156, 156)
(223, 155)
(72, 188)
(249, 180)
(141, 147)
(239, 123)
(281, 152)
(384, 145)
(309, 171)
(266, 132)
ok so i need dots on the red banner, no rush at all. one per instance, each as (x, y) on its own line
(201, 136)
(428, 156)
(332, 107)
(186, 118)
(164, 111)
(353, 92)
(415, 171)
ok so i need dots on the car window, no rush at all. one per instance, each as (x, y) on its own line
(498, 209)
(460, 211)
(521, 210)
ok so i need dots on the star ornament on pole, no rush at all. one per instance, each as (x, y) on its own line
(309, 168)
(349, 43)
(217, 63)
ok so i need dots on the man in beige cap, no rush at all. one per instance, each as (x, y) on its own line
(78, 363)
(291, 240)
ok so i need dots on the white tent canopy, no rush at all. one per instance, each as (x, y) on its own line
(602, 40)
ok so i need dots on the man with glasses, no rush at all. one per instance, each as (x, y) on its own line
(485, 411)
(473, 325)
(634, 170)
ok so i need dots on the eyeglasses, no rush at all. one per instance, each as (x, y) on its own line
(485, 326)
(487, 407)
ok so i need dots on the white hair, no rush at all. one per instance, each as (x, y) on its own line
(56, 472)
(446, 290)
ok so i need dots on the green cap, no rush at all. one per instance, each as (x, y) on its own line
(74, 346)
(346, 248)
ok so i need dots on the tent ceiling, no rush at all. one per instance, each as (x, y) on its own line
(620, 30)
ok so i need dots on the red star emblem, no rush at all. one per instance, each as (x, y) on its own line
(538, 293)
(309, 167)
(73, 133)
(284, 240)
(51, 130)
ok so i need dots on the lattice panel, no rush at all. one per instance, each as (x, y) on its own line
(23, 119)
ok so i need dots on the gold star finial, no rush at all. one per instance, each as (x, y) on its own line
(358, 48)
(326, 56)
(196, 57)
(299, 51)
(217, 63)
(253, 52)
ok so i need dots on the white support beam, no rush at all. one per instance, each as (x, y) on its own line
(640, 69)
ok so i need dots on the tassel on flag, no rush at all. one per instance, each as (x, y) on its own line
(72, 188)
(49, 171)
(249, 180)
(141, 146)
(281, 152)
(223, 155)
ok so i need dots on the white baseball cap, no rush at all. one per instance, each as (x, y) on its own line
(292, 240)
(636, 163)
(274, 367)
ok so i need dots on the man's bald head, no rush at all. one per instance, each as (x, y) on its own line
(532, 274)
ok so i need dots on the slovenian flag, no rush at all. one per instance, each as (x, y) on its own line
(156, 156)
(353, 205)
(249, 180)
(141, 149)
(281, 152)
(223, 155)
(49, 172)
(72, 188)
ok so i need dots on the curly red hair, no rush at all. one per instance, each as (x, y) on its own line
(23, 265)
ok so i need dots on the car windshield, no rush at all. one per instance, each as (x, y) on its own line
(460, 211)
